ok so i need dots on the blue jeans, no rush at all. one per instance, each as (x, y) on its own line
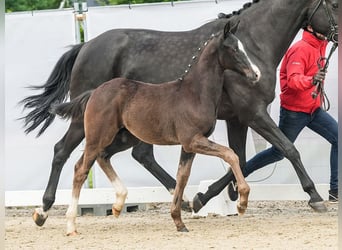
(291, 124)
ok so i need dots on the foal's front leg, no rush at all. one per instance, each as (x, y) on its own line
(202, 145)
(183, 173)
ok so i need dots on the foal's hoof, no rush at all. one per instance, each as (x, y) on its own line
(116, 212)
(39, 217)
(318, 206)
(197, 203)
(183, 230)
(241, 209)
(74, 233)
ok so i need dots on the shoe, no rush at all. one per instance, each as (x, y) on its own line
(333, 196)
(233, 191)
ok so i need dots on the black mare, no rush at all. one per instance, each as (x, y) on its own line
(267, 28)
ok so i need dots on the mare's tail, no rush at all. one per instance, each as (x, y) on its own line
(55, 91)
(73, 109)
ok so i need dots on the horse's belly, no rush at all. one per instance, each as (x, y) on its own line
(153, 136)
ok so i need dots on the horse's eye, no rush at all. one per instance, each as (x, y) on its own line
(335, 5)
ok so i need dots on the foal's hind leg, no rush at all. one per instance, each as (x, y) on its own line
(120, 189)
(62, 151)
(82, 168)
(202, 145)
(183, 174)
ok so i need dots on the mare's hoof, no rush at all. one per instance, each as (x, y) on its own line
(39, 217)
(197, 203)
(186, 206)
(183, 230)
(318, 206)
(74, 233)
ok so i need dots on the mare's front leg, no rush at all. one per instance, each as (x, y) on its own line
(202, 145)
(265, 126)
(183, 174)
(62, 151)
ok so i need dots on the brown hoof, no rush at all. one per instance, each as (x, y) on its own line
(116, 212)
(241, 209)
(38, 218)
(74, 233)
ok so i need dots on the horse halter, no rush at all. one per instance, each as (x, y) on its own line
(319, 90)
(333, 33)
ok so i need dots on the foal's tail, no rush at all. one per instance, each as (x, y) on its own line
(55, 90)
(73, 109)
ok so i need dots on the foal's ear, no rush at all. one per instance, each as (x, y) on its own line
(230, 29)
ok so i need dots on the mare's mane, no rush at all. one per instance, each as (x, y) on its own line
(237, 12)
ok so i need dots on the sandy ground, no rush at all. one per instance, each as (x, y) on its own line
(266, 225)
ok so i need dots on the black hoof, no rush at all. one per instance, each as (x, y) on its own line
(183, 230)
(318, 206)
(186, 206)
(39, 219)
(197, 203)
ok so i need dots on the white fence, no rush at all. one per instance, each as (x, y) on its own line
(34, 43)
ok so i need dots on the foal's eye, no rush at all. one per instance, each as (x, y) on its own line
(234, 50)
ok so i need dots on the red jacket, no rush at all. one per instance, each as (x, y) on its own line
(298, 67)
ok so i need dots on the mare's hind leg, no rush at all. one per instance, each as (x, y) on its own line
(202, 145)
(120, 189)
(183, 174)
(62, 151)
(143, 153)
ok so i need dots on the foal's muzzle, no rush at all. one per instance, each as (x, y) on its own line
(254, 74)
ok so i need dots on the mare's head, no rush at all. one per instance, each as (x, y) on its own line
(233, 56)
(323, 18)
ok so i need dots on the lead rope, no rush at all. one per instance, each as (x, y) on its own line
(319, 90)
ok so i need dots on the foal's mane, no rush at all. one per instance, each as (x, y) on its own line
(194, 58)
(237, 12)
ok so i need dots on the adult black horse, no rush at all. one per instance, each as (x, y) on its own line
(267, 28)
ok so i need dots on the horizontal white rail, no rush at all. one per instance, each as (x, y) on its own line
(156, 194)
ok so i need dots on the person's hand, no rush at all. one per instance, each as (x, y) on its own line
(319, 77)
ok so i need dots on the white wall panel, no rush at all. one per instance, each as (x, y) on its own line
(35, 42)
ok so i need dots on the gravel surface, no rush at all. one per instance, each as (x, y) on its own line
(265, 225)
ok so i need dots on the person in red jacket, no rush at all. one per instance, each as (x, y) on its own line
(299, 73)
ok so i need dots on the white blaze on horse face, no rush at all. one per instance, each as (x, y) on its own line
(254, 67)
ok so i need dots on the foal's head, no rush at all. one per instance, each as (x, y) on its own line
(233, 56)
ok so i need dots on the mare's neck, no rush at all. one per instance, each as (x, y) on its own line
(269, 27)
